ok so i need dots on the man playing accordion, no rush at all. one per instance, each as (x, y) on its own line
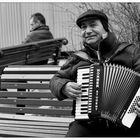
(100, 46)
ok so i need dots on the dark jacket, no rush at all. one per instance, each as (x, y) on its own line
(38, 34)
(112, 51)
(119, 53)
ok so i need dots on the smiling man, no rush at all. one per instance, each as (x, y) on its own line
(92, 32)
(100, 45)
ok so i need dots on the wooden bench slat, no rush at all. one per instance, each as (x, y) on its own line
(15, 58)
(28, 110)
(31, 70)
(32, 67)
(34, 130)
(34, 94)
(15, 85)
(45, 127)
(42, 52)
(35, 120)
(41, 102)
(33, 126)
(28, 134)
(12, 62)
(16, 77)
(40, 58)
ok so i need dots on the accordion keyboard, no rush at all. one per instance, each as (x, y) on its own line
(82, 102)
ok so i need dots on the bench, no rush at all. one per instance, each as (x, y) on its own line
(31, 53)
(27, 107)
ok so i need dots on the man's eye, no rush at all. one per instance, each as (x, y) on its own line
(83, 27)
(92, 25)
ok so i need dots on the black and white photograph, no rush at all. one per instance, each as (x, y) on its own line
(69, 69)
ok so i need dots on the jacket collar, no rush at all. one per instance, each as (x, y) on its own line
(43, 27)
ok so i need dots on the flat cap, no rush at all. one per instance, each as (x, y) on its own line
(91, 14)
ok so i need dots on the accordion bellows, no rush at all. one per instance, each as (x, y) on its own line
(108, 91)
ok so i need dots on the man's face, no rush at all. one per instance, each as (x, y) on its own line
(92, 31)
(33, 24)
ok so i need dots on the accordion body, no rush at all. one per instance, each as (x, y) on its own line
(108, 91)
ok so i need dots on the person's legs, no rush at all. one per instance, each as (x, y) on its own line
(87, 129)
(77, 129)
(102, 128)
(98, 128)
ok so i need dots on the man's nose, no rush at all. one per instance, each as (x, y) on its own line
(31, 28)
(88, 29)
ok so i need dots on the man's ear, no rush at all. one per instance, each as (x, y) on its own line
(38, 23)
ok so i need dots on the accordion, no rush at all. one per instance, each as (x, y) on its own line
(108, 91)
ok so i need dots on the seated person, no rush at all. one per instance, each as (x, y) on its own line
(38, 31)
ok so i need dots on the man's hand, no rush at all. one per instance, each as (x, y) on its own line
(72, 90)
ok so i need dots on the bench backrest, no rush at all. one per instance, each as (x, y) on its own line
(25, 90)
(31, 53)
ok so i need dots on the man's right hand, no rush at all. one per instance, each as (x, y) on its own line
(72, 90)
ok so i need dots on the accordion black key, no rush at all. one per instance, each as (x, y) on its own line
(108, 91)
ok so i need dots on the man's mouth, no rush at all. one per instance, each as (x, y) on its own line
(90, 37)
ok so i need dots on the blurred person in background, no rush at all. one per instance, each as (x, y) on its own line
(38, 29)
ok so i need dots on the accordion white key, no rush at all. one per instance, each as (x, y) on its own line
(108, 91)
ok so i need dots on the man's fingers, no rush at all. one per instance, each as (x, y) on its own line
(76, 86)
(72, 96)
(72, 90)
